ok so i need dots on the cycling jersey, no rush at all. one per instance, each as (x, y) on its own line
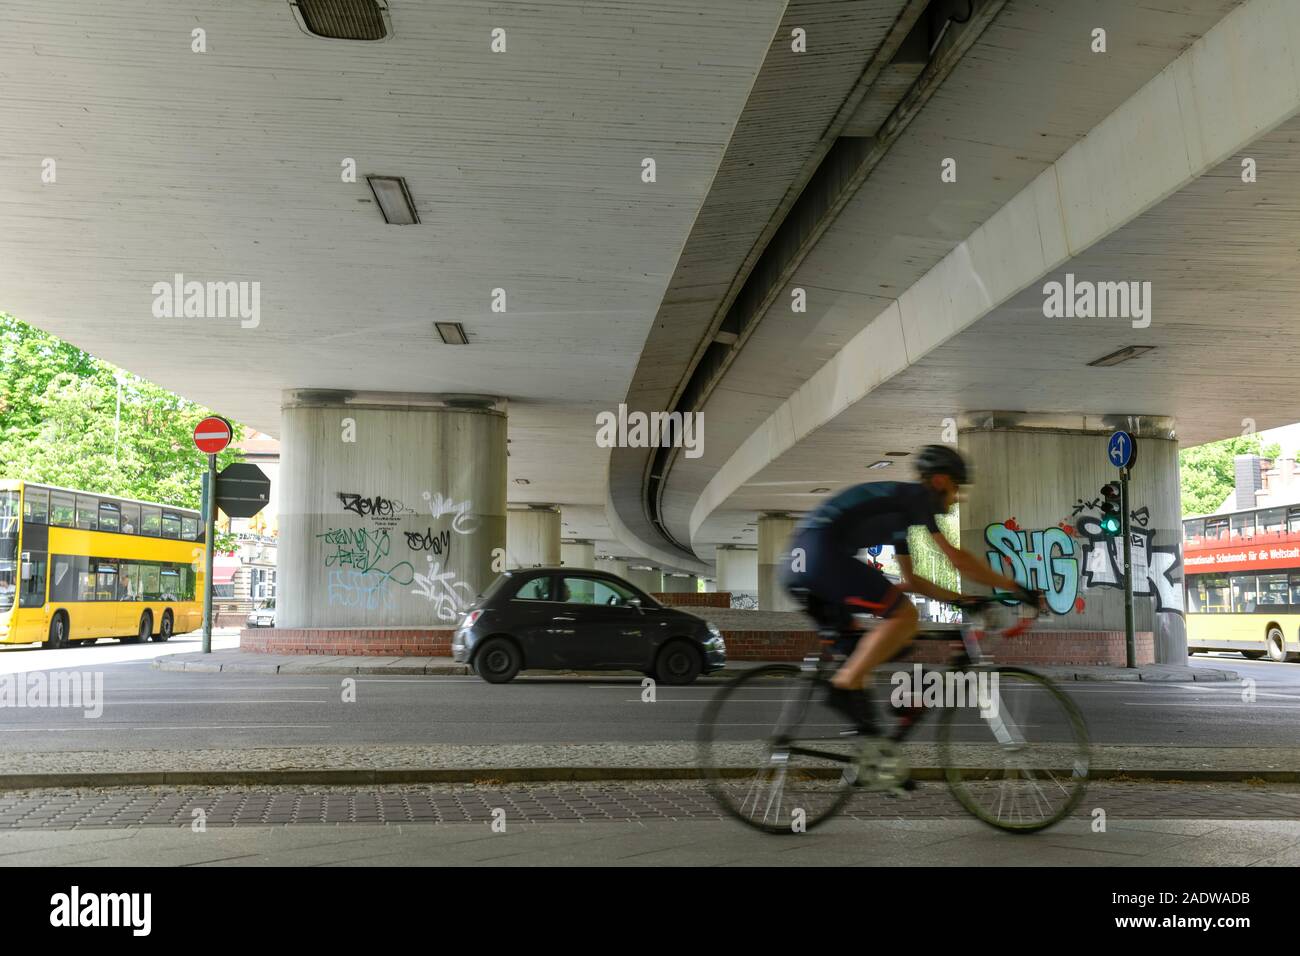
(877, 512)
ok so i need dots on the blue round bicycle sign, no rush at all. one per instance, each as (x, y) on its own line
(1121, 450)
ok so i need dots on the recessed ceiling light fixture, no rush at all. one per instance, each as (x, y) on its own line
(343, 19)
(394, 200)
(1121, 355)
(453, 333)
(880, 464)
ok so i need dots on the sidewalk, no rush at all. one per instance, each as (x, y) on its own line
(839, 842)
(351, 765)
(236, 661)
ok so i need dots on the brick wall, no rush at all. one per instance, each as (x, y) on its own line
(695, 599)
(373, 642)
(1035, 647)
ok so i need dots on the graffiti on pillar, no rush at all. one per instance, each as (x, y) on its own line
(368, 590)
(439, 587)
(385, 511)
(1157, 569)
(462, 522)
(1066, 560)
(428, 540)
(356, 578)
(1044, 560)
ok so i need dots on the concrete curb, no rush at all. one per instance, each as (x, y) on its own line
(503, 775)
(1165, 673)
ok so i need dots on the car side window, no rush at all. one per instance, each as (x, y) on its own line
(536, 589)
(613, 595)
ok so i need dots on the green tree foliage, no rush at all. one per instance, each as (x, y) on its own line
(58, 406)
(928, 561)
(1207, 473)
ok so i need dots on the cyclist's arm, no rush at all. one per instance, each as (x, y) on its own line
(918, 585)
(969, 566)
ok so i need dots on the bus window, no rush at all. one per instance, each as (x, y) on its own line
(1272, 520)
(36, 505)
(1216, 593)
(1243, 525)
(110, 516)
(1295, 588)
(105, 579)
(8, 548)
(1243, 593)
(130, 518)
(32, 593)
(87, 512)
(171, 582)
(189, 528)
(1216, 527)
(1293, 519)
(149, 582)
(130, 578)
(1273, 589)
(1193, 529)
(150, 520)
(171, 525)
(73, 580)
(62, 511)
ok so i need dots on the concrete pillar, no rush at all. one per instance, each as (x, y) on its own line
(612, 566)
(533, 537)
(1044, 472)
(578, 554)
(680, 584)
(390, 508)
(649, 580)
(738, 573)
(774, 531)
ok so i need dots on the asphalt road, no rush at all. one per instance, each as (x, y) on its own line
(149, 709)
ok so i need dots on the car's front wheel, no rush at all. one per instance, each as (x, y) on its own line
(679, 663)
(498, 660)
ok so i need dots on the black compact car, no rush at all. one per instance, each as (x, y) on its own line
(570, 618)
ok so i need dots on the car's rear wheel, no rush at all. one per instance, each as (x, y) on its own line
(498, 660)
(678, 663)
(165, 632)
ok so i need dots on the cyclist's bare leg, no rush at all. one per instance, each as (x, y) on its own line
(877, 646)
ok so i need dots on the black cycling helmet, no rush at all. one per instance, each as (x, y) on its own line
(942, 460)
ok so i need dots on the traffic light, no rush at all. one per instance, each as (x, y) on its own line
(1111, 519)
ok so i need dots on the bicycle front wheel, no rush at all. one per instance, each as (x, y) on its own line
(775, 754)
(1018, 758)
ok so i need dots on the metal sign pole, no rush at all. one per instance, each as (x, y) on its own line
(1130, 643)
(210, 524)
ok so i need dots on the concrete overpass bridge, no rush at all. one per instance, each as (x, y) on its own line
(437, 247)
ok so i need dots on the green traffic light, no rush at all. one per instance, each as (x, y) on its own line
(1110, 525)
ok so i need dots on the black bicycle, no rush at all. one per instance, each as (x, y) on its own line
(1013, 747)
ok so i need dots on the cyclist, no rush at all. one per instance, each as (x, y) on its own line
(834, 584)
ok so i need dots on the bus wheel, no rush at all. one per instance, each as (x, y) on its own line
(58, 632)
(1276, 644)
(165, 632)
(146, 629)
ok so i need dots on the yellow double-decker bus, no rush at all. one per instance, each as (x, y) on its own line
(76, 567)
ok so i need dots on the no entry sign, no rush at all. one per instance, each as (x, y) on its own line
(212, 435)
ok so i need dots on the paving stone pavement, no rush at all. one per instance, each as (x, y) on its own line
(596, 803)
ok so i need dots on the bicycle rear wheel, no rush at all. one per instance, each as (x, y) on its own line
(1023, 765)
(774, 752)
